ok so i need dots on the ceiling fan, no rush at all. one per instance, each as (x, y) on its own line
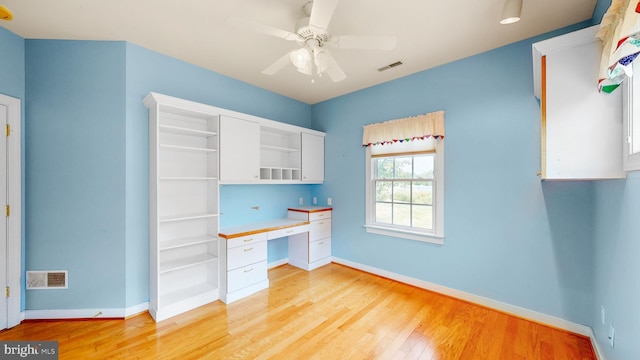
(312, 36)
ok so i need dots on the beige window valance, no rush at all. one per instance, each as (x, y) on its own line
(407, 129)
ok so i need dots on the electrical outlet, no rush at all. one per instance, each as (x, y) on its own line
(329, 201)
(301, 201)
(612, 335)
(315, 200)
(602, 314)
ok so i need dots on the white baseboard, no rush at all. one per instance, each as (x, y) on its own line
(596, 347)
(277, 263)
(136, 309)
(84, 313)
(490, 303)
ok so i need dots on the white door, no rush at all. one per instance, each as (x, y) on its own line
(4, 308)
(11, 196)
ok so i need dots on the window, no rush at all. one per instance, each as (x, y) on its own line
(631, 126)
(405, 190)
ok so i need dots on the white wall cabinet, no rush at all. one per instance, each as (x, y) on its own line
(581, 130)
(261, 151)
(312, 249)
(183, 208)
(312, 158)
(240, 150)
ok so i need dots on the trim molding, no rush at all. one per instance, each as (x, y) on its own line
(596, 347)
(490, 303)
(277, 263)
(85, 313)
(136, 309)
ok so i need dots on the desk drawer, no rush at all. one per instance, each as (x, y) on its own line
(246, 240)
(275, 234)
(319, 249)
(319, 229)
(247, 275)
(245, 255)
(320, 215)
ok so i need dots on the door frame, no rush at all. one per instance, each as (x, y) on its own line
(14, 199)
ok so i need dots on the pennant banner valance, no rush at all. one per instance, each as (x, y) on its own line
(620, 35)
(407, 129)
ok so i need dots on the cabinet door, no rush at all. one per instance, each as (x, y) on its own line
(239, 150)
(312, 158)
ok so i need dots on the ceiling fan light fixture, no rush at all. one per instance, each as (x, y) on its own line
(511, 12)
(321, 60)
(301, 58)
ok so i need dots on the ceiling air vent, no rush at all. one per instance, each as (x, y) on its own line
(51, 279)
(397, 63)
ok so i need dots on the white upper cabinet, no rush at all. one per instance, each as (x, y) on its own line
(239, 150)
(312, 158)
(581, 130)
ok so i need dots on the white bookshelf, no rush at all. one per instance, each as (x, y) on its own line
(183, 203)
(279, 154)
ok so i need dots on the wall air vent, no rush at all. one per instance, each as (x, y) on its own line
(392, 65)
(50, 279)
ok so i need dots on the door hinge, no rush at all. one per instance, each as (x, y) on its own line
(7, 210)
(8, 129)
(7, 291)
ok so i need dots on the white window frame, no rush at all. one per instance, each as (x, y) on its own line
(434, 236)
(631, 162)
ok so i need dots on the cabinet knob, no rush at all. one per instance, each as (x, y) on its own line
(539, 173)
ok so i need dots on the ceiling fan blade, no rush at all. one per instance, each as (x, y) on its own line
(278, 65)
(333, 69)
(363, 42)
(261, 28)
(321, 13)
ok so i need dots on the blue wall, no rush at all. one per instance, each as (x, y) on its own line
(11, 64)
(616, 265)
(509, 236)
(75, 171)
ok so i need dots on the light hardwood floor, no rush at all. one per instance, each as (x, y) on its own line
(334, 312)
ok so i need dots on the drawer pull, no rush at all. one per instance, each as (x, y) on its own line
(248, 270)
(321, 243)
(249, 239)
(289, 232)
(321, 223)
(249, 249)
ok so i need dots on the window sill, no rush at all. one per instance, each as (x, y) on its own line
(411, 235)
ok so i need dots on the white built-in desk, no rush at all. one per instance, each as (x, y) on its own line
(243, 256)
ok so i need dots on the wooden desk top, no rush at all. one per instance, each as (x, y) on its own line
(230, 232)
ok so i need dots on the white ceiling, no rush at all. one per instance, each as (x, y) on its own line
(429, 32)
